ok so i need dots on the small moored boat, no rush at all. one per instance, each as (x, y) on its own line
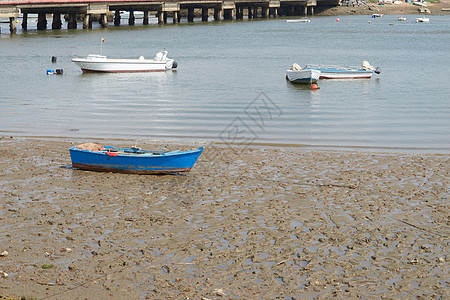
(336, 72)
(100, 63)
(94, 157)
(422, 20)
(298, 75)
(303, 20)
(402, 18)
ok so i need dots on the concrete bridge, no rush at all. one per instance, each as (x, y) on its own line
(86, 10)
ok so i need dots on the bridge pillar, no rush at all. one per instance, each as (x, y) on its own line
(72, 22)
(42, 22)
(103, 20)
(205, 14)
(131, 18)
(228, 14)
(145, 20)
(160, 16)
(218, 14)
(25, 22)
(176, 17)
(12, 25)
(117, 18)
(56, 23)
(87, 21)
(265, 12)
(250, 12)
(190, 16)
(305, 10)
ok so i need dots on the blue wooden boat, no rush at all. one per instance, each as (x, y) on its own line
(133, 160)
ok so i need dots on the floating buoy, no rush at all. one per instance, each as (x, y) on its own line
(53, 59)
(50, 72)
(348, 23)
(337, 19)
(314, 87)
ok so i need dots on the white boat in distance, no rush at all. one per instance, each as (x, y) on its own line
(422, 20)
(298, 75)
(298, 20)
(100, 63)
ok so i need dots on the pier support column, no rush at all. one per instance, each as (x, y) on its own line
(305, 10)
(204, 14)
(165, 17)
(117, 18)
(190, 16)
(145, 20)
(103, 20)
(265, 12)
(42, 22)
(228, 14)
(56, 23)
(12, 25)
(312, 10)
(131, 18)
(217, 14)
(160, 16)
(25, 22)
(176, 17)
(72, 22)
(239, 13)
(87, 23)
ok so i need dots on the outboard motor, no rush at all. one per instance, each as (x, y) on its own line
(377, 70)
(174, 65)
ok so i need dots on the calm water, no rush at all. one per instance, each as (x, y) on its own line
(230, 85)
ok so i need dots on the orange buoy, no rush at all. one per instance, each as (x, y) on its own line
(314, 87)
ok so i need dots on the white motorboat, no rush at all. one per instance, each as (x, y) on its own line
(100, 63)
(298, 75)
(422, 20)
(304, 20)
(402, 18)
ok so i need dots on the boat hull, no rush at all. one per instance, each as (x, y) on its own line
(128, 162)
(107, 65)
(303, 76)
(329, 72)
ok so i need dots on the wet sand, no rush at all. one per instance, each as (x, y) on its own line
(246, 223)
(388, 9)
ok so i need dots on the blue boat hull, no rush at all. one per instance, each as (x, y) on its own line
(332, 72)
(129, 161)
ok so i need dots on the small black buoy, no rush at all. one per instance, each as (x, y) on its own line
(174, 65)
(53, 59)
(59, 71)
(377, 70)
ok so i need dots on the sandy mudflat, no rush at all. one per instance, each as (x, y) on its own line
(389, 9)
(245, 223)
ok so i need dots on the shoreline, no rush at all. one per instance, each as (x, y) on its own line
(245, 222)
(388, 9)
(317, 147)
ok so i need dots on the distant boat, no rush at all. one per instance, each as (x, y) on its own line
(377, 15)
(94, 157)
(402, 18)
(304, 20)
(422, 20)
(298, 75)
(420, 4)
(100, 63)
(336, 72)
